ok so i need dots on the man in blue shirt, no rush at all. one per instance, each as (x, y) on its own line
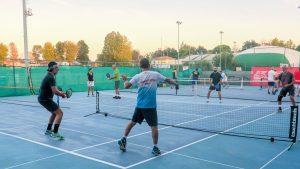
(146, 102)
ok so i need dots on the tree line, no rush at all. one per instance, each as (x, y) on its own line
(118, 48)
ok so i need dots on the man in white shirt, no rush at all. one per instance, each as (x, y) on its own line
(146, 102)
(271, 80)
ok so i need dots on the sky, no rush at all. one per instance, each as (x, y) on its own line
(151, 24)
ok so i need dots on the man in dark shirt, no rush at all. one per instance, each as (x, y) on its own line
(287, 81)
(90, 81)
(45, 98)
(215, 84)
(194, 77)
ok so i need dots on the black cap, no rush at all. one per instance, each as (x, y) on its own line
(51, 65)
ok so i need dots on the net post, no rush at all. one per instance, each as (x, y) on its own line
(242, 83)
(260, 84)
(293, 125)
(97, 102)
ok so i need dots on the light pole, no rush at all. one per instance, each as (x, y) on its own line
(221, 33)
(26, 13)
(178, 23)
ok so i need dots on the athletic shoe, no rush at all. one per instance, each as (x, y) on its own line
(279, 110)
(57, 136)
(118, 97)
(268, 92)
(156, 151)
(220, 101)
(48, 132)
(207, 101)
(122, 144)
(115, 97)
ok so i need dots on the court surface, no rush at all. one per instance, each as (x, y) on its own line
(91, 142)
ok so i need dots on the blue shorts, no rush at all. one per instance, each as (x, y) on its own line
(216, 87)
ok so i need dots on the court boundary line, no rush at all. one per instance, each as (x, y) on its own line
(34, 161)
(195, 158)
(279, 154)
(64, 150)
(203, 139)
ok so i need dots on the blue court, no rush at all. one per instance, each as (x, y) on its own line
(91, 142)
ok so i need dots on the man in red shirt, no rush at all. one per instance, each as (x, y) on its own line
(297, 81)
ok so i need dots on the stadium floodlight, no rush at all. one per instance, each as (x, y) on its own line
(221, 33)
(26, 13)
(178, 23)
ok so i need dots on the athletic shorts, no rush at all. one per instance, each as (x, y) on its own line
(297, 86)
(49, 104)
(117, 84)
(194, 81)
(216, 87)
(285, 90)
(149, 114)
(271, 84)
(90, 83)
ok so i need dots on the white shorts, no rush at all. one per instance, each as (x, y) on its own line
(297, 86)
(90, 83)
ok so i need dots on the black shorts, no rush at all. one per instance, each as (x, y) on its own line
(49, 104)
(285, 90)
(194, 81)
(117, 84)
(216, 87)
(272, 84)
(150, 114)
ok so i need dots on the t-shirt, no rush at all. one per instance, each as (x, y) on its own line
(45, 89)
(195, 75)
(117, 74)
(147, 85)
(271, 75)
(224, 77)
(297, 77)
(90, 76)
(216, 77)
(286, 78)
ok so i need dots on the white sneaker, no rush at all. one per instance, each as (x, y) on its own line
(207, 101)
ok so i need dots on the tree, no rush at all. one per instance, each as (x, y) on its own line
(48, 51)
(3, 53)
(290, 44)
(36, 52)
(201, 50)
(117, 48)
(71, 50)
(227, 61)
(186, 50)
(83, 52)
(298, 48)
(223, 48)
(59, 51)
(277, 42)
(249, 44)
(170, 52)
(136, 55)
(13, 51)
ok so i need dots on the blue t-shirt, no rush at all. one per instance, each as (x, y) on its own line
(147, 85)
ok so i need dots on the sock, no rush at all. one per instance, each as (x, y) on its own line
(56, 126)
(125, 137)
(155, 145)
(49, 126)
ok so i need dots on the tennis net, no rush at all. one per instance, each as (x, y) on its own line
(234, 89)
(251, 121)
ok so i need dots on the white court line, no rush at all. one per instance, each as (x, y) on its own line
(275, 157)
(63, 150)
(30, 162)
(191, 157)
(171, 151)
